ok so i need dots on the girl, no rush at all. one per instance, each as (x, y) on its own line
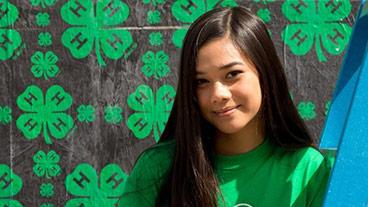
(234, 137)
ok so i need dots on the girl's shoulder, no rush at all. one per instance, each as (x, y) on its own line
(151, 167)
(306, 158)
(156, 159)
(159, 152)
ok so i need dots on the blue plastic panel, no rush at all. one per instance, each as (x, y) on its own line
(348, 131)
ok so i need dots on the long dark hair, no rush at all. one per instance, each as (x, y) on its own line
(191, 180)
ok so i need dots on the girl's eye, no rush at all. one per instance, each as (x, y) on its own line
(233, 74)
(200, 82)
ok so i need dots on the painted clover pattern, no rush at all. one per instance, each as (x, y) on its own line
(155, 38)
(306, 110)
(47, 190)
(43, 3)
(43, 19)
(86, 113)
(45, 114)
(88, 190)
(316, 24)
(99, 31)
(113, 114)
(46, 165)
(44, 65)
(151, 112)
(44, 39)
(5, 114)
(10, 185)
(155, 64)
(186, 11)
(10, 39)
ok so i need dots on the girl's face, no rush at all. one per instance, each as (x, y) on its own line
(228, 88)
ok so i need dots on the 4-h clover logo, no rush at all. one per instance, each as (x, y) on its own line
(155, 64)
(97, 31)
(44, 3)
(86, 113)
(44, 114)
(84, 184)
(113, 114)
(10, 185)
(10, 39)
(46, 165)
(151, 112)
(44, 39)
(47, 190)
(318, 25)
(306, 110)
(44, 64)
(5, 114)
(187, 11)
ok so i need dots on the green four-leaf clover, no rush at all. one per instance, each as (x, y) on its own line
(84, 184)
(306, 110)
(46, 165)
(42, 19)
(155, 64)
(86, 113)
(113, 114)
(44, 114)
(318, 25)
(10, 185)
(97, 31)
(187, 11)
(44, 39)
(43, 3)
(151, 112)
(44, 64)
(155, 38)
(47, 190)
(10, 39)
(5, 114)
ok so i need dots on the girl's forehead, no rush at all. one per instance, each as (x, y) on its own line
(219, 53)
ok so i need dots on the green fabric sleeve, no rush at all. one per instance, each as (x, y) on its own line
(145, 180)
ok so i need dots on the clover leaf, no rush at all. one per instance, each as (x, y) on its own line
(44, 3)
(10, 185)
(155, 38)
(42, 19)
(318, 25)
(187, 11)
(99, 31)
(155, 64)
(44, 64)
(113, 114)
(44, 39)
(5, 114)
(47, 190)
(151, 111)
(44, 114)
(154, 17)
(90, 189)
(10, 39)
(306, 110)
(86, 113)
(46, 165)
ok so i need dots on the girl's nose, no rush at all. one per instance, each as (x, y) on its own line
(220, 93)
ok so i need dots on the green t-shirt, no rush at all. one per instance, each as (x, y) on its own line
(265, 176)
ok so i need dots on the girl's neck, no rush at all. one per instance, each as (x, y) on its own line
(241, 142)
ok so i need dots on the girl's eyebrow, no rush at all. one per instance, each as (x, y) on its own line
(226, 66)
(229, 65)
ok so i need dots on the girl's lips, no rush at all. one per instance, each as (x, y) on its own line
(226, 112)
